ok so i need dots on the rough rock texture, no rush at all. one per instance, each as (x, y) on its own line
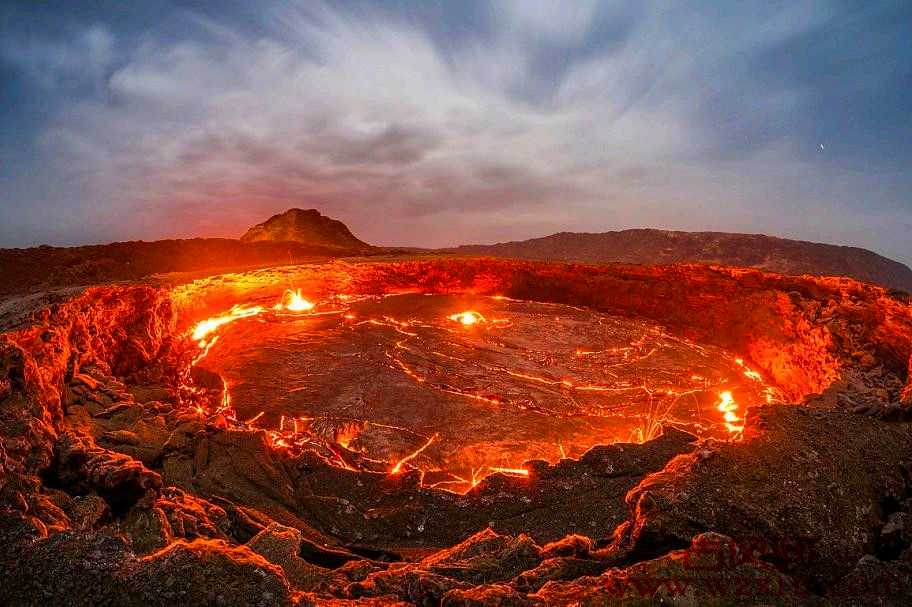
(115, 490)
(368, 508)
(811, 491)
(209, 572)
(875, 582)
(746, 250)
(83, 467)
(100, 569)
(310, 227)
(121, 330)
(282, 545)
(711, 570)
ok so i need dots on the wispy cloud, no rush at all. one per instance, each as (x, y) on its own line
(554, 116)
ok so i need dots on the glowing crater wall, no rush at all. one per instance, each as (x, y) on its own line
(800, 332)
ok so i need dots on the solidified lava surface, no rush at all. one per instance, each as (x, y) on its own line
(136, 469)
(518, 380)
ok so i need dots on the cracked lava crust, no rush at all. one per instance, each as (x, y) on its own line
(488, 387)
(465, 431)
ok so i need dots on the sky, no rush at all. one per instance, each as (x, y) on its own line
(434, 123)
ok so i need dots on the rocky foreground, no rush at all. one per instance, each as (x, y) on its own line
(116, 490)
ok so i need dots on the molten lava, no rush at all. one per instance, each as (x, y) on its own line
(292, 301)
(510, 471)
(397, 468)
(468, 318)
(729, 409)
(378, 374)
(206, 327)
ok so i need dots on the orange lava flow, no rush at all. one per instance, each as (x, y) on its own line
(398, 467)
(511, 471)
(729, 408)
(204, 328)
(204, 333)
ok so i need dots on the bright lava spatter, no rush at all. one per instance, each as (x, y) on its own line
(729, 409)
(292, 301)
(468, 318)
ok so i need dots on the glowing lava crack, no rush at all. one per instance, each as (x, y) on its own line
(400, 381)
(286, 449)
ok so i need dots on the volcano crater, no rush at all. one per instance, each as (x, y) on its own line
(476, 383)
(456, 416)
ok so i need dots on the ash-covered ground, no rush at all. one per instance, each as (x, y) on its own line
(483, 382)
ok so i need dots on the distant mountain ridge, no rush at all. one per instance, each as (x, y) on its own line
(298, 235)
(650, 246)
(308, 227)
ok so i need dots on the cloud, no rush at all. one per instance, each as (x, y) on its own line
(554, 116)
(372, 119)
(83, 59)
(547, 20)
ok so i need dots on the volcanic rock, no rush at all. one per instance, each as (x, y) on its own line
(123, 503)
(205, 572)
(486, 557)
(68, 568)
(282, 545)
(808, 492)
(87, 511)
(746, 250)
(711, 570)
(310, 227)
(48, 274)
(359, 507)
(100, 569)
(82, 466)
(875, 582)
